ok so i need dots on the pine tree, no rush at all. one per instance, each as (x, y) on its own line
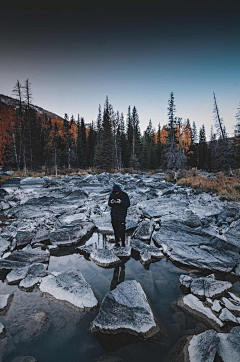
(202, 149)
(83, 144)
(212, 150)
(236, 140)
(224, 151)
(91, 144)
(158, 148)
(129, 135)
(193, 149)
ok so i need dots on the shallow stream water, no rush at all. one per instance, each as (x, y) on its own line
(66, 335)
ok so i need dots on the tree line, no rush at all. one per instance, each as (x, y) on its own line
(31, 141)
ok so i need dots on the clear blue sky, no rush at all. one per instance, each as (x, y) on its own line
(75, 55)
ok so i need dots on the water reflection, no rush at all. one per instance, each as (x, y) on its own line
(118, 276)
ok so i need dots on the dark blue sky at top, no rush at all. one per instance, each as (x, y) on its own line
(75, 55)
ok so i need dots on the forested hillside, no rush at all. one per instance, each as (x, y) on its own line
(32, 138)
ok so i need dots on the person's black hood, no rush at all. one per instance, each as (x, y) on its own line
(116, 188)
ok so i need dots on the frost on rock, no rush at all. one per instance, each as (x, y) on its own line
(203, 347)
(216, 307)
(4, 246)
(185, 280)
(191, 304)
(71, 288)
(126, 309)
(147, 253)
(227, 316)
(196, 248)
(209, 287)
(144, 231)
(2, 331)
(229, 346)
(234, 306)
(104, 258)
(5, 302)
(29, 255)
(16, 275)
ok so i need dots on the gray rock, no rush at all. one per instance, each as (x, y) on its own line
(209, 287)
(196, 248)
(192, 305)
(4, 246)
(229, 346)
(147, 253)
(71, 235)
(104, 258)
(24, 359)
(32, 181)
(16, 275)
(227, 316)
(8, 265)
(29, 255)
(5, 302)
(144, 231)
(185, 280)
(126, 309)
(203, 347)
(70, 288)
(2, 331)
(24, 238)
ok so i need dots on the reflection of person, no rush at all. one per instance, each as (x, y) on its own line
(117, 277)
(119, 202)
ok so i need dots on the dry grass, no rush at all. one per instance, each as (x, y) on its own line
(228, 188)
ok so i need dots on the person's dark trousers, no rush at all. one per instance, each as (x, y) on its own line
(119, 230)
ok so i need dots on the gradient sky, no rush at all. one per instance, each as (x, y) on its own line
(75, 55)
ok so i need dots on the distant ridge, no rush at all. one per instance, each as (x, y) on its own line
(12, 102)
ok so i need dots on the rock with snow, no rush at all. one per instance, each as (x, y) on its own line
(192, 305)
(229, 345)
(8, 265)
(209, 287)
(16, 275)
(203, 347)
(231, 305)
(71, 234)
(126, 310)
(2, 331)
(24, 238)
(29, 282)
(32, 181)
(24, 359)
(104, 258)
(227, 316)
(4, 245)
(216, 307)
(144, 231)
(196, 248)
(70, 288)
(5, 302)
(185, 280)
(234, 297)
(29, 255)
(122, 251)
(146, 253)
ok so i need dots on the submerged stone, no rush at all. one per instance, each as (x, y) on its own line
(29, 255)
(70, 288)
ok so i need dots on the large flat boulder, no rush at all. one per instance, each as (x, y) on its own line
(203, 347)
(71, 234)
(144, 231)
(196, 248)
(29, 255)
(104, 258)
(229, 346)
(69, 288)
(126, 310)
(5, 302)
(192, 305)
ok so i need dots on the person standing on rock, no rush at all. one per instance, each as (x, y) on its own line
(119, 202)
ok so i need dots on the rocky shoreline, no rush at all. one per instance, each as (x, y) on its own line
(43, 216)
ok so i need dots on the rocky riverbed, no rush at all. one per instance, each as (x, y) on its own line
(57, 255)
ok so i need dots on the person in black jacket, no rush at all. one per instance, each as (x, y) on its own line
(119, 202)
